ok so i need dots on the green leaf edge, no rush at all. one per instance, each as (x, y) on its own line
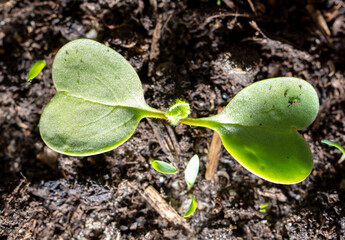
(36, 69)
(156, 164)
(98, 151)
(192, 207)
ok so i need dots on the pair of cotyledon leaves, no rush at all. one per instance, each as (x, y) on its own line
(100, 101)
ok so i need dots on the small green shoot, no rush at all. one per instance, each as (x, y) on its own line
(36, 69)
(163, 167)
(263, 207)
(192, 170)
(192, 207)
(100, 101)
(333, 144)
(178, 110)
(337, 145)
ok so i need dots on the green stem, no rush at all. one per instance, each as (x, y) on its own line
(154, 113)
(199, 122)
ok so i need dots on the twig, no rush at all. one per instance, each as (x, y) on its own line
(163, 208)
(213, 155)
(319, 20)
(251, 6)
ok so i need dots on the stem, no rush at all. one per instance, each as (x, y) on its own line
(199, 122)
(155, 113)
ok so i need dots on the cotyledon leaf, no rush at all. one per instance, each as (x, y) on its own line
(259, 128)
(99, 100)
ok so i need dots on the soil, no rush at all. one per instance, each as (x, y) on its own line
(196, 50)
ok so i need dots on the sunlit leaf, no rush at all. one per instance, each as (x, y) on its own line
(192, 207)
(163, 167)
(99, 100)
(259, 128)
(36, 69)
(192, 170)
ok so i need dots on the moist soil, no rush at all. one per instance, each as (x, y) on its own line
(201, 51)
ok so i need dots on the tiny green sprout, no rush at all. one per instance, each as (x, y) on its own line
(100, 102)
(192, 170)
(36, 69)
(263, 207)
(192, 207)
(163, 167)
(333, 144)
(178, 110)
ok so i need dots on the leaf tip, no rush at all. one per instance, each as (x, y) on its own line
(36, 69)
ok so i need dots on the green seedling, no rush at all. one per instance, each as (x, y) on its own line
(190, 174)
(263, 207)
(100, 101)
(192, 170)
(163, 167)
(192, 207)
(36, 69)
(333, 144)
(337, 145)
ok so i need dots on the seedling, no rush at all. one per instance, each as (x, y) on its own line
(36, 69)
(337, 145)
(192, 170)
(100, 101)
(163, 167)
(190, 173)
(263, 207)
(192, 207)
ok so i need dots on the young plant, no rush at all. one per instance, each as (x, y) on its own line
(263, 207)
(36, 69)
(334, 144)
(100, 101)
(192, 207)
(190, 173)
(337, 145)
(192, 170)
(163, 167)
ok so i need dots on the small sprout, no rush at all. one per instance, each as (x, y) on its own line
(192, 207)
(192, 170)
(263, 207)
(163, 167)
(337, 145)
(333, 144)
(36, 69)
(178, 110)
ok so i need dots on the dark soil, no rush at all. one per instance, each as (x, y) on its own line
(195, 50)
